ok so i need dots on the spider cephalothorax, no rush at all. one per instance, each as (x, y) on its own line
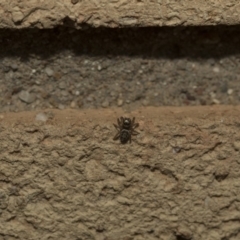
(126, 128)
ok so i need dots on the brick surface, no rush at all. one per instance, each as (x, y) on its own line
(63, 177)
(120, 13)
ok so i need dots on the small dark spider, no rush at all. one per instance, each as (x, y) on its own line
(126, 128)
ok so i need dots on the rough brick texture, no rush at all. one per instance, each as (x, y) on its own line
(67, 179)
(117, 13)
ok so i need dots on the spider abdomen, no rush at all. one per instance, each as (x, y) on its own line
(124, 136)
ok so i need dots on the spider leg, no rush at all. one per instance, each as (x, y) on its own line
(133, 121)
(135, 132)
(119, 121)
(116, 136)
(130, 138)
(136, 125)
(122, 120)
(117, 127)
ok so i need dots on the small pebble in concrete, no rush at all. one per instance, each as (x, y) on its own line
(73, 104)
(89, 98)
(216, 101)
(62, 85)
(216, 70)
(230, 91)
(49, 71)
(145, 102)
(61, 106)
(119, 102)
(41, 117)
(105, 104)
(26, 97)
(14, 67)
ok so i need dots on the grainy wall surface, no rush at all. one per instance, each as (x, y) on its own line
(63, 177)
(127, 68)
(117, 13)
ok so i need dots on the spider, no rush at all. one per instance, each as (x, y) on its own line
(126, 128)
